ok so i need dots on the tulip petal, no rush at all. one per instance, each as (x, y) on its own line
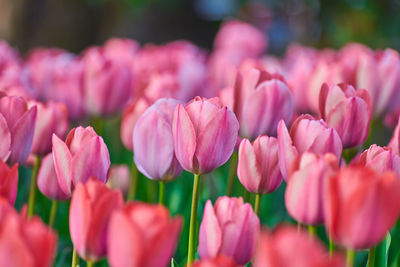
(5, 137)
(210, 236)
(62, 164)
(287, 152)
(248, 169)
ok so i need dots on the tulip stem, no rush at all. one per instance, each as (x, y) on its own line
(32, 188)
(312, 230)
(371, 257)
(350, 258)
(89, 263)
(53, 212)
(75, 258)
(257, 203)
(232, 174)
(193, 217)
(161, 192)
(331, 246)
(133, 184)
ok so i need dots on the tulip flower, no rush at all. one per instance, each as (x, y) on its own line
(8, 182)
(82, 155)
(361, 206)
(90, 211)
(119, 178)
(229, 228)
(380, 159)
(142, 234)
(346, 110)
(304, 196)
(306, 134)
(218, 261)
(394, 143)
(17, 126)
(287, 246)
(51, 118)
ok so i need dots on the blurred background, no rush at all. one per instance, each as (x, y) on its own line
(76, 24)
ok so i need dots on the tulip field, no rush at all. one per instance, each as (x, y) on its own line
(144, 155)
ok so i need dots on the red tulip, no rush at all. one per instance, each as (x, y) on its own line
(91, 207)
(142, 235)
(119, 178)
(361, 206)
(8, 182)
(380, 159)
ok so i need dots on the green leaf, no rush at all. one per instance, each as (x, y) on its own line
(173, 263)
(382, 252)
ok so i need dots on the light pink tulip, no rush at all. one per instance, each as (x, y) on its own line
(258, 165)
(304, 196)
(142, 234)
(346, 110)
(119, 178)
(380, 159)
(82, 155)
(154, 144)
(204, 134)
(122, 50)
(229, 228)
(8, 182)
(394, 143)
(306, 134)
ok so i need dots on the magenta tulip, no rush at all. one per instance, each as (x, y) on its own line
(8, 182)
(380, 159)
(218, 261)
(119, 178)
(154, 144)
(258, 165)
(204, 134)
(229, 228)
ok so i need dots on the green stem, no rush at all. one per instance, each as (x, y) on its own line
(53, 212)
(161, 192)
(133, 184)
(312, 230)
(257, 203)
(371, 257)
(75, 258)
(193, 217)
(89, 263)
(232, 173)
(98, 124)
(350, 258)
(32, 188)
(331, 246)
(246, 195)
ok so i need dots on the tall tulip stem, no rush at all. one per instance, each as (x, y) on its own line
(257, 203)
(350, 254)
(232, 173)
(89, 263)
(193, 218)
(371, 257)
(133, 184)
(75, 258)
(53, 212)
(161, 192)
(312, 230)
(32, 188)
(331, 246)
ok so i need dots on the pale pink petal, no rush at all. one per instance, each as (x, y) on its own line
(210, 235)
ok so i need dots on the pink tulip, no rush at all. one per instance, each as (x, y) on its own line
(380, 159)
(119, 178)
(142, 235)
(349, 58)
(25, 242)
(218, 261)
(229, 228)
(204, 134)
(154, 144)
(306, 134)
(394, 143)
(346, 110)
(8, 182)
(258, 165)
(361, 206)
(51, 118)
(287, 246)
(304, 196)
(82, 155)
(121, 49)
(17, 126)
(92, 205)
(47, 181)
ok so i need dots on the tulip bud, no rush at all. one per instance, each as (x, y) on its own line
(154, 144)
(258, 165)
(8, 182)
(346, 110)
(218, 261)
(380, 159)
(91, 207)
(204, 134)
(229, 228)
(394, 143)
(142, 234)
(119, 178)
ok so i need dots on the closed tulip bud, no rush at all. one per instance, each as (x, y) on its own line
(17, 126)
(205, 134)
(346, 110)
(82, 155)
(287, 246)
(89, 214)
(154, 144)
(218, 261)
(8, 182)
(229, 228)
(142, 234)
(306, 134)
(304, 196)
(394, 143)
(119, 178)
(121, 49)
(52, 118)
(380, 159)
(355, 198)
(258, 165)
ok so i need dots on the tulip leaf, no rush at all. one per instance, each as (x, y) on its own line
(173, 263)
(382, 252)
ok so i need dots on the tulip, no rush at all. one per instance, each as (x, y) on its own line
(8, 182)
(380, 159)
(82, 155)
(204, 134)
(304, 196)
(286, 246)
(394, 143)
(154, 144)
(140, 231)
(90, 211)
(121, 49)
(346, 110)
(229, 228)
(355, 197)
(306, 134)
(51, 118)
(119, 178)
(218, 261)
